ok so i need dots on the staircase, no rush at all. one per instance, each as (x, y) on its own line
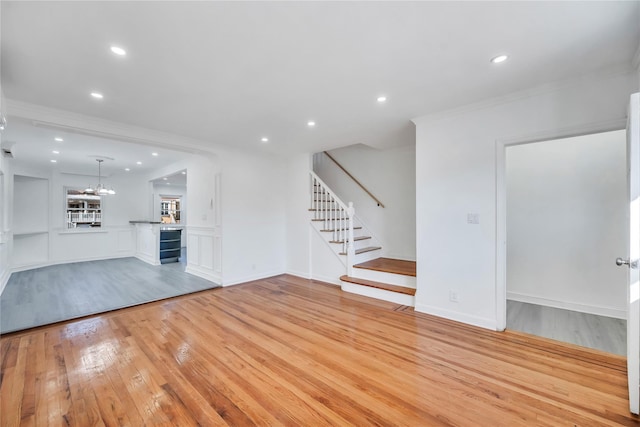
(387, 279)
(368, 273)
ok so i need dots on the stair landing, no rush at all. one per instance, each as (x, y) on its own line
(389, 265)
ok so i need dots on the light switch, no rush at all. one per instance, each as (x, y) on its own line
(473, 218)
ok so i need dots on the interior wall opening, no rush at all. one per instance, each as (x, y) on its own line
(565, 225)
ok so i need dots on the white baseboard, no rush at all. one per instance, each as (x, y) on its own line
(203, 273)
(19, 268)
(299, 274)
(146, 258)
(327, 279)
(401, 257)
(252, 277)
(458, 317)
(581, 308)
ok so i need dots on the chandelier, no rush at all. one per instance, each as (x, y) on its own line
(99, 189)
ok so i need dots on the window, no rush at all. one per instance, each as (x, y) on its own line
(170, 210)
(83, 210)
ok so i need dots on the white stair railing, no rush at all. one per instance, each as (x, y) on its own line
(334, 214)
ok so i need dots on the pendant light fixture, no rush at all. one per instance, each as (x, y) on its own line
(99, 189)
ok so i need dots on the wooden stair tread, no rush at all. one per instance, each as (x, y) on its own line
(355, 239)
(363, 250)
(340, 229)
(379, 285)
(390, 265)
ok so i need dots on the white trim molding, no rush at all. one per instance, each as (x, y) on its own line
(88, 125)
(523, 94)
(481, 322)
(582, 308)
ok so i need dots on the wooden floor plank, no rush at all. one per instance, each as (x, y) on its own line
(289, 351)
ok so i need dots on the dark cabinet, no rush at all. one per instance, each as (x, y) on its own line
(170, 245)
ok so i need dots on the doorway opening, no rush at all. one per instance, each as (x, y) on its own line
(170, 209)
(565, 224)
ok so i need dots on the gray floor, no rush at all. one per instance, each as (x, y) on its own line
(587, 330)
(67, 291)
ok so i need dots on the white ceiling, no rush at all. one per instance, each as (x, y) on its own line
(34, 146)
(233, 72)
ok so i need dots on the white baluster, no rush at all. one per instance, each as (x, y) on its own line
(311, 192)
(351, 252)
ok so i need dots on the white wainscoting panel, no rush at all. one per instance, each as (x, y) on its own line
(148, 243)
(203, 253)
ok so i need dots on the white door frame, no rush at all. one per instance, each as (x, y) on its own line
(633, 292)
(501, 198)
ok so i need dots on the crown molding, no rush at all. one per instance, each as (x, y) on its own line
(619, 70)
(67, 121)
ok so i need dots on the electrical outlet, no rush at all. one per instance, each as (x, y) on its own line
(453, 296)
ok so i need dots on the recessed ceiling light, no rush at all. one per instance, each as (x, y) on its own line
(118, 50)
(184, 173)
(500, 58)
(57, 138)
(165, 178)
(168, 183)
(55, 152)
(154, 154)
(265, 140)
(311, 123)
(127, 169)
(381, 99)
(97, 95)
(53, 161)
(138, 163)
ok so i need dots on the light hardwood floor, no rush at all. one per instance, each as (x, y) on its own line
(588, 330)
(289, 351)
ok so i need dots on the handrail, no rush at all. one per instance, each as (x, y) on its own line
(355, 180)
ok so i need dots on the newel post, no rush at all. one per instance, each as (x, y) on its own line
(351, 251)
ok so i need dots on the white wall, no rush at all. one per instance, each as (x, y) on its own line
(31, 195)
(390, 175)
(456, 171)
(253, 204)
(566, 223)
(298, 226)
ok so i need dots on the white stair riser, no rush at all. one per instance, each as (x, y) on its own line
(380, 294)
(384, 277)
(367, 256)
(358, 244)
